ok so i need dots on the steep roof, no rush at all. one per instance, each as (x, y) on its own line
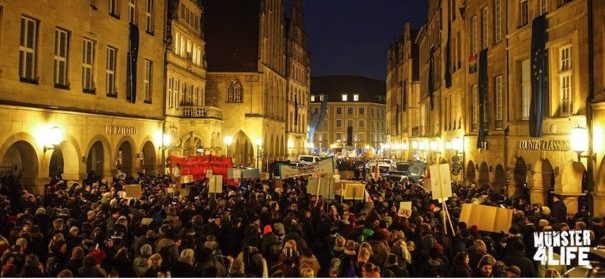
(369, 90)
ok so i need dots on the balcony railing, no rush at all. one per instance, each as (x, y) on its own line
(200, 112)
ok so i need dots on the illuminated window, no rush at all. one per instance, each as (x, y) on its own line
(525, 89)
(344, 97)
(147, 80)
(499, 103)
(132, 11)
(356, 98)
(61, 51)
(565, 80)
(113, 7)
(484, 29)
(88, 57)
(497, 20)
(28, 49)
(312, 98)
(234, 92)
(149, 16)
(110, 71)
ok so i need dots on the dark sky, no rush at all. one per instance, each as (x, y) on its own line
(352, 36)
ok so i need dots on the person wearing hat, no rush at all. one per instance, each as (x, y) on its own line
(211, 259)
(185, 267)
(90, 268)
(271, 244)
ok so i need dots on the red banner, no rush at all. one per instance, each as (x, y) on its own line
(198, 165)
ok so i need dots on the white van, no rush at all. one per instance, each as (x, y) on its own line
(308, 159)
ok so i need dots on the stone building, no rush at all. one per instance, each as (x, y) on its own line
(194, 127)
(356, 114)
(299, 80)
(67, 98)
(402, 91)
(249, 74)
(511, 82)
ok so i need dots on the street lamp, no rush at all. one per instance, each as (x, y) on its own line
(579, 142)
(52, 138)
(163, 142)
(228, 140)
(258, 142)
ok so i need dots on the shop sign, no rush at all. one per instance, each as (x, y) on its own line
(544, 145)
(120, 130)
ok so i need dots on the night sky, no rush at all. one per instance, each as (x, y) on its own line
(352, 36)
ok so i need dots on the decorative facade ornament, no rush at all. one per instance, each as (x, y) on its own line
(234, 92)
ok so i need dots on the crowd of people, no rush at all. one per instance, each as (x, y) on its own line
(89, 229)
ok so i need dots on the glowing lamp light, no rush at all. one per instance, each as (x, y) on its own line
(434, 145)
(290, 144)
(258, 141)
(228, 140)
(448, 145)
(309, 145)
(405, 146)
(457, 144)
(51, 137)
(162, 140)
(423, 145)
(579, 139)
(415, 145)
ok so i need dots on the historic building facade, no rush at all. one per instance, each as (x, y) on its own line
(402, 91)
(194, 127)
(355, 118)
(250, 74)
(298, 82)
(69, 102)
(509, 83)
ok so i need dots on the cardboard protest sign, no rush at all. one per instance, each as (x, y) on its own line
(405, 209)
(215, 184)
(504, 220)
(208, 173)
(487, 218)
(133, 190)
(354, 191)
(265, 176)
(323, 186)
(184, 179)
(440, 181)
(184, 192)
(465, 214)
(234, 173)
(324, 166)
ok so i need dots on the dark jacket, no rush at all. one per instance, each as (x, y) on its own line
(518, 259)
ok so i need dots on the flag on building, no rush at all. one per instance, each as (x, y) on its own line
(539, 73)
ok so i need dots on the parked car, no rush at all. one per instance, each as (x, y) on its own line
(308, 159)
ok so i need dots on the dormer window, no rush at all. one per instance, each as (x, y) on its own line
(312, 98)
(356, 98)
(344, 97)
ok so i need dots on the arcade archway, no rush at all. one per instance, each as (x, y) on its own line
(149, 159)
(124, 158)
(499, 180)
(21, 161)
(483, 175)
(95, 159)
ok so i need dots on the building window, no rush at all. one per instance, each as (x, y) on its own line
(338, 136)
(169, 92)
(362, 111)
(484, 28)
(459, 49)
(147, 80)
(525, 89)
(113, 8)
(312, 98)
(88, 57)
(338, 123)
(565, 80)
(474, 30)
(497, 20)
(339, 110)
(543, 6)
(149, 17)
(27, 49)
(132, 11)
(61, 55)
(361, 123)
(349, 123)
(110, 71)
(523, 13)
(350, 111)
(475, 108)
(499, 103)
(344, 97)
(356, 98)
(234, 92)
